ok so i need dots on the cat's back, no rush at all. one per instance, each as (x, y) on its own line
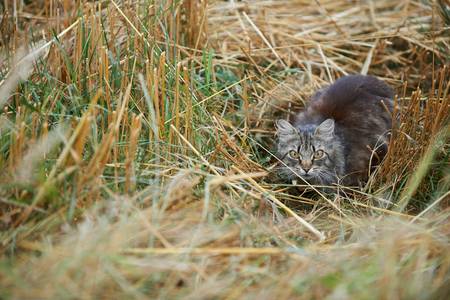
(351, 96)
(352, 86)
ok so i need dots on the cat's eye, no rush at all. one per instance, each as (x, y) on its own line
(293, 154)
(318, 154)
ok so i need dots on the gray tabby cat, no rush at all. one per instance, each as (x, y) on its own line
(340, 135)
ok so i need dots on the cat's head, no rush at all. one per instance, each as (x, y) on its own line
(313, 153)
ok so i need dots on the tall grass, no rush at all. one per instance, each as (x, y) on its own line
(136, 155)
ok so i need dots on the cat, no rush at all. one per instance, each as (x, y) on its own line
(340, 136)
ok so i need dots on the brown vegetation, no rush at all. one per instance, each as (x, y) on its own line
(136, 155)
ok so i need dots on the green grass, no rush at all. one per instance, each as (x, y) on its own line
(137, 165)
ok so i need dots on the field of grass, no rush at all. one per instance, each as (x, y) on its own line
(136, 150)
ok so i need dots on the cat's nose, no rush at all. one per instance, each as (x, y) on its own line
(306, 165)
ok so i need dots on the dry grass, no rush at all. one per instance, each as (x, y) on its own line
(136, 155)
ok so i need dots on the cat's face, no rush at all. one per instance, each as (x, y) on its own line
(309, 154)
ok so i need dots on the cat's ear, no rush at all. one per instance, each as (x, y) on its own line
(285, 128)
(325, 129)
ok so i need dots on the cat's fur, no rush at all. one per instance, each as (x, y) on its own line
(346, 125)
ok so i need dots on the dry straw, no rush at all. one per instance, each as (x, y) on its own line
(160, 184)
